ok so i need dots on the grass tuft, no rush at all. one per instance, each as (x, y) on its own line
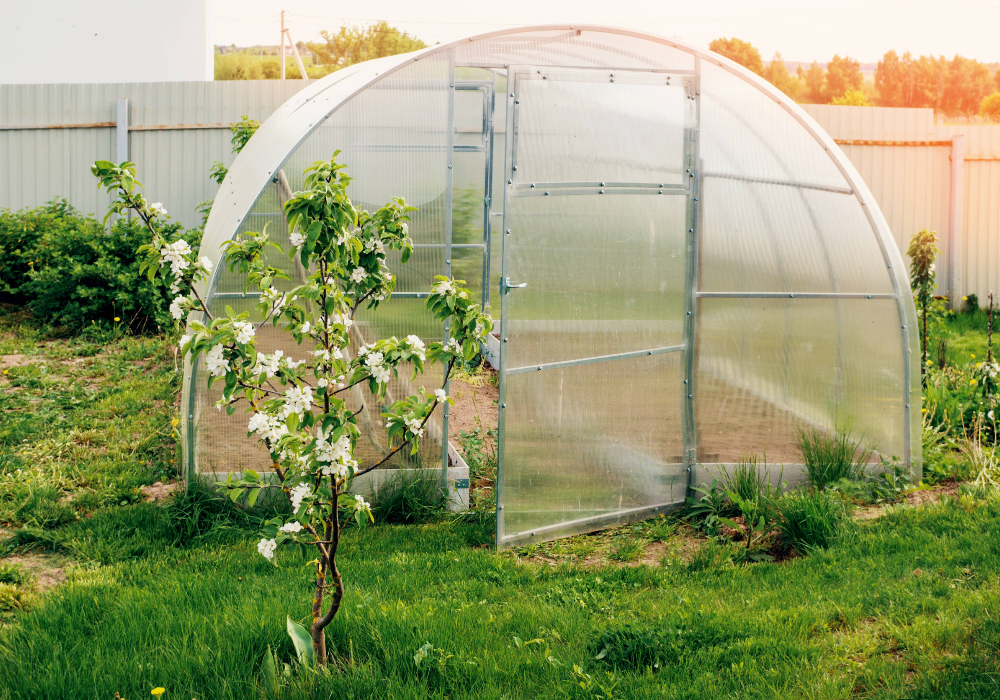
(829, 459)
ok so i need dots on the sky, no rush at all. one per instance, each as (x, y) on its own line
(800, 30)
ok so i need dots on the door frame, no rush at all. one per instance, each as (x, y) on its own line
(691, 189)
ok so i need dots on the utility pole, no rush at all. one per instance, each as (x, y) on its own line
(295, 51)
(282, 45)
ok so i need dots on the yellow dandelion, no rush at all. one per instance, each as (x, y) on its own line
(972, 382)
(5, 371)
(157, 691)
(174, 422)
(929, 363)
(965, 298)
(117, 319)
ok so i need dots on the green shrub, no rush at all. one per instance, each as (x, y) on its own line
(828, 459)
(69, 271)
(810, 520)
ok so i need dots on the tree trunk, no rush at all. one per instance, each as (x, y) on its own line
(318, 635)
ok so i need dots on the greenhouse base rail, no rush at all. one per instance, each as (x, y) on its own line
(589, 524)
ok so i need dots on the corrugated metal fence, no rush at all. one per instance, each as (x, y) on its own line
(50, 135)
(916, 170)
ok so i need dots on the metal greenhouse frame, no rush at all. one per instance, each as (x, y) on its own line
(687, 267)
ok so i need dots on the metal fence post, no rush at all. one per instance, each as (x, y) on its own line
(121, 130)
(955, 224)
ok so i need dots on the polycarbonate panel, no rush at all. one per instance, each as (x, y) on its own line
(566, 460)
(470, 117)
(574, 47)
(771, 238)
(585, 126)
(767, 369)
(604, 274)
(746, 133)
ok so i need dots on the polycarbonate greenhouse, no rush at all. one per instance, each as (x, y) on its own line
(685, 268)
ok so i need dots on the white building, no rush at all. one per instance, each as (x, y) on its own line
(90, 41)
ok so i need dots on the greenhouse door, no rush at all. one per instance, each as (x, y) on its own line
(597, 258)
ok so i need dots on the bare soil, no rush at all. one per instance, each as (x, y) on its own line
(476, 406)
(160, 491)
(917, 497)
(47, 570)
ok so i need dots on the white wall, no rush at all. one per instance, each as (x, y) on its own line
(101, 41)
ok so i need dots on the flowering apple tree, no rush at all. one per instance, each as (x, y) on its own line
(296, 406)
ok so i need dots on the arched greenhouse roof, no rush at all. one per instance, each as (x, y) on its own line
(707, 275)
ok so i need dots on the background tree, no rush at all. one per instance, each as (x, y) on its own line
(815, 84)
(852, 98)
(355, 44)
(776, 73)
(842, 74)
(743, 52)
(990, 107)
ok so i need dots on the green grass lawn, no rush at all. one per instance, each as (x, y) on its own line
(175, 595)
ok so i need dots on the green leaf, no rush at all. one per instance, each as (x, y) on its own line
(252, 498)
(292, 422)
(235, 494)
(302, 641)
(269, 672)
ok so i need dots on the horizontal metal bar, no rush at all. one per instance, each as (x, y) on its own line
(399, 148)
(792, 295)
(594, 522)
(563, 185)
(865, 142)
(234, 295)
(592, 360)
(656, 192)
(469, 149)
(444, 245)
(784, 183)
(32, 127)
(472, 84)
(176, 127)
(410, 295)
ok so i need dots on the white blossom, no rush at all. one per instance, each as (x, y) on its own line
(269, 364)
(297, 494)
(358, 275)
(185, 339)
(273, 297)
(443, 288)
(296, 239)
(177, 307)
(207, 264)
(270, 428)
(266, 548)
(293, 526)
(215, 363)
(157, 209)
(990, 415)
(306, 327)
(414, 426)
(441, 395)
(323, 383)
(299, 400)
(176, 254)
(244, 331)
(360, 504)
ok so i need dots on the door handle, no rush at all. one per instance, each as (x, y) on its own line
(508, 286)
